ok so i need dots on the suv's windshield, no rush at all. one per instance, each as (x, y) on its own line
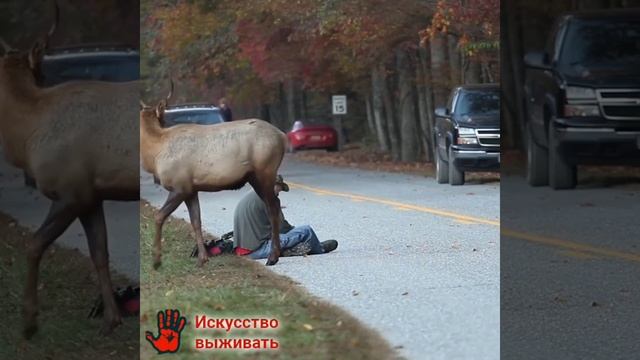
(478, 102)
(592, 42)
(200, 117)
(103, 68)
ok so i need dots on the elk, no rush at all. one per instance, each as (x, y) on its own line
(78, 141)
(191, 158)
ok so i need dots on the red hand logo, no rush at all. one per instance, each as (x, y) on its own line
(169, 327)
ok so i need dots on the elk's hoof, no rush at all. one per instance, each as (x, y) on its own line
(156, 264)
(202, 261)
(271, 261)
(29, 330)
(109, 325)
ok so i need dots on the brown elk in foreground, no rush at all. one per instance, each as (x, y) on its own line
(192, 158)
(78, 141)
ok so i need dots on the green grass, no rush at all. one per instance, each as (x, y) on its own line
(67, 291)
(232, 287)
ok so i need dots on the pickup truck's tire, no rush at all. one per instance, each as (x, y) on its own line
(442, 169)
(562, 175)
(537, 163)
(456, 177)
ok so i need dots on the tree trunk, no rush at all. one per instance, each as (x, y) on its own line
(303, 104)
(425, 61)
(425, 101)
(472, 73)
(455, 61)
(439, 70)
(370, 122)
(265, 112)
(390, 111)
(291, 104)
(406, 107)
(378, 109)
(514, 129)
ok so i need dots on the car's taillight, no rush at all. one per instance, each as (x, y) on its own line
(298, 136)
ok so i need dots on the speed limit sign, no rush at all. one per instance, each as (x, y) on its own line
(339, 104)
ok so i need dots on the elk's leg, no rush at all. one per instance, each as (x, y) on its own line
(94, 226)
(60, 216)
(264, 187)
(273, 206)
(193, 204)
(171, 204)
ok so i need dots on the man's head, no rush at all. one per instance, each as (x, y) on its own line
(223, 103)
(280, 185)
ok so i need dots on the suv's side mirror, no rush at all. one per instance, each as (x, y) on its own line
(442, 112)
(537, 60)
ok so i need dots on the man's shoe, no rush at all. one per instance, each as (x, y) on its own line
(329, 245)
(301, 249)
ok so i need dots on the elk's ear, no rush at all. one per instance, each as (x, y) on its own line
(162, 105)
(36, 54)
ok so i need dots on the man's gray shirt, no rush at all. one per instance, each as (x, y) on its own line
(251, 226)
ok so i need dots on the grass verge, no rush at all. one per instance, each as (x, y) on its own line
(231, 287)
(67, 291)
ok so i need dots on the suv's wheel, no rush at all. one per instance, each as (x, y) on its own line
(537, 162)
(562, 175)
(456, 176)
(442, 168)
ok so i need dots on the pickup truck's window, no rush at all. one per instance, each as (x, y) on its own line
(200, 117)
(478, 102)
(452, 96)
(598, 43)
(114, 69)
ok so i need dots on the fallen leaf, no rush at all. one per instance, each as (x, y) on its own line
(355, 293)
(339, 323)
(168, 293)
(308, 327)
(405, 293)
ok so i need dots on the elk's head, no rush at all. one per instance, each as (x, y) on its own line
(16, 64)
(155, 113)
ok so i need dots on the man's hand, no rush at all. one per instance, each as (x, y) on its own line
(170, 326)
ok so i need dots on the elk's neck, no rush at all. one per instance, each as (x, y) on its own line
(19, 101)
(151, 134)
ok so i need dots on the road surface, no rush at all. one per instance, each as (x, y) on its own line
(417, 261)
(29, 207)
(570, 270)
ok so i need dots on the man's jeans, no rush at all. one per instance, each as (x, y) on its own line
(294, 237)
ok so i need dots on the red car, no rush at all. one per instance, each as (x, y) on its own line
(304, 136)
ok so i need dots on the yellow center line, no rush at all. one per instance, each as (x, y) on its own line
(398, 205)
(571, 245)
(465, 219)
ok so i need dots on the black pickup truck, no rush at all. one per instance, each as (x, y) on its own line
(582, 97)
(467, 133)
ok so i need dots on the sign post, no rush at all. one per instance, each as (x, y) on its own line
(338, 109)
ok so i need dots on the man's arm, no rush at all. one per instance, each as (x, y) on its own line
(285, 227)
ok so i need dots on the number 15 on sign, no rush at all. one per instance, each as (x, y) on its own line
(339, 103)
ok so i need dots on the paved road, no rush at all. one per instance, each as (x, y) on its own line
(29, 207)
(570, 270)
(417, 261)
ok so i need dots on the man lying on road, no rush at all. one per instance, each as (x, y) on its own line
(252, 230)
